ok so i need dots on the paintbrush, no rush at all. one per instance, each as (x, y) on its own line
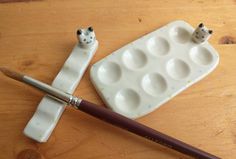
(111, 117)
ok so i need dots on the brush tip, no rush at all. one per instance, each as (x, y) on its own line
(11, 74)
(3, 69)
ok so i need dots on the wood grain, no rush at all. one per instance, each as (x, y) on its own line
(36, 37)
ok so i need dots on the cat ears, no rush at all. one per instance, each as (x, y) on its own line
(202, 25)
(90, 29)
(79, 31)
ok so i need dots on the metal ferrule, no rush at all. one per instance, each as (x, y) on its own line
(75, 102)
(54, 92)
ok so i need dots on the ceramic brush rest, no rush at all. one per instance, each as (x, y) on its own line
(139, 77)
(50, 110)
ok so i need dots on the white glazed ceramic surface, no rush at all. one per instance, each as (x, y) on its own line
(50, 110)
(141, 76)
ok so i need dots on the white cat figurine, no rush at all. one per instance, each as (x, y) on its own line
(201, 34)
(86, 37)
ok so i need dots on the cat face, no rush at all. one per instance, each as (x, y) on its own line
(201, 34)
(86, 37)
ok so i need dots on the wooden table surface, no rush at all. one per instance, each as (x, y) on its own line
(37, 36)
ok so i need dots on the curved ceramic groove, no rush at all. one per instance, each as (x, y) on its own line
(201, 55)
(177, 69)
(180, 34)
(158, 46)
(154, 84)
(127, 100)
(134, 59)
(50, 110)
(109, 72)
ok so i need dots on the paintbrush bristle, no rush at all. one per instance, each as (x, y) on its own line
(11, 74)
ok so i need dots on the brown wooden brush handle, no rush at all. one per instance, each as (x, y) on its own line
(142, 130)
(112, 117)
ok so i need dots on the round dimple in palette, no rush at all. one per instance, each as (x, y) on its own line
(141, 76)
(109, 73)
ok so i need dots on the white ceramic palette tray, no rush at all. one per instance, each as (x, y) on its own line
(141, 76)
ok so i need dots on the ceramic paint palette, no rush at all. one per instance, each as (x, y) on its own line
(144, 74)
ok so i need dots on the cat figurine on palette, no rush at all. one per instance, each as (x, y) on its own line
(201, 34)
(86, 37)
